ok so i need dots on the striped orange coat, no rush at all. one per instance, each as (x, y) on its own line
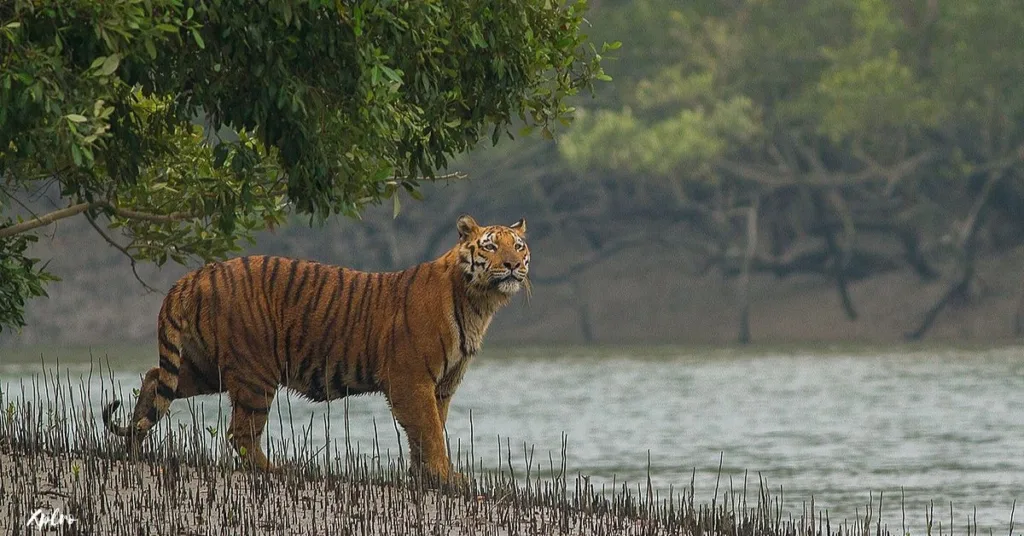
(253, 324)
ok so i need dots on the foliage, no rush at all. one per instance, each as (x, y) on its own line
(20, 278)
(763, 97)
(190, 125)
(784, 131)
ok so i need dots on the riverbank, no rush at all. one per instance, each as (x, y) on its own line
(91, 494)
(97, 493)
(58, 472)
(645, 294)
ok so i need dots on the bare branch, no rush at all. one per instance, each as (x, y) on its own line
(145, 216)
(906, 168)
(79, 208)
(776, 178)
(1016, 157)
(970, 229)
(968, 249)
(596, 256)
(92, 222)
(810, 155)
(778, 157)
(455, 175)
(744, 281)
(45, 219)
(18, 202)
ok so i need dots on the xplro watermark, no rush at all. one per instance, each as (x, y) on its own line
(44, 518)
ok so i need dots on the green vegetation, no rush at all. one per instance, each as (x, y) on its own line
(191, 125)
(843, 138)
(838, 139)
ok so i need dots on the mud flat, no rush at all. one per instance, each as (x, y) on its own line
(75, 494)
(60, 475)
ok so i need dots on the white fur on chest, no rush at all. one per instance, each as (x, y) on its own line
(466, 342)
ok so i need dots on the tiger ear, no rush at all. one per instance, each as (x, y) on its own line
(466, 226)
(519, 227)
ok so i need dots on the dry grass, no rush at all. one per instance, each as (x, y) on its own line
(53, 457)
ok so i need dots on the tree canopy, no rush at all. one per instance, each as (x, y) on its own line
(798, 136)
(188, 125)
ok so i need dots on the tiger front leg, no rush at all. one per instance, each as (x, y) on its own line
(416, 409)
(442, 408)
(249, 412)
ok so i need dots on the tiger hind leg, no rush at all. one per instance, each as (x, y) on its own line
(191, 381)
(158, 390)
(250, 410)
(132, 434)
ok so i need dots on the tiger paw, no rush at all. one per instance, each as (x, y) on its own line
(458, 481)
(436, 480)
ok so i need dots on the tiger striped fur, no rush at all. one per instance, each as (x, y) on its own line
(252, 324)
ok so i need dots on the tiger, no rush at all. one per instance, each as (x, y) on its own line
(254, 324)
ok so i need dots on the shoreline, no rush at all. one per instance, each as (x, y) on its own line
(98, 494)
(636, 296)
(59, 473)
(101, 492)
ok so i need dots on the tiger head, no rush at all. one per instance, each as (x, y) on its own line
(494, 258)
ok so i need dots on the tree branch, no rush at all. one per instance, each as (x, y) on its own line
(594, 257)
(744, 282)
(92, 222)
(455, 175)
(145, 216)
(968, 247)
(45, 219)
(74, 210)
(18, 202)
(838, 254)
(781, 178)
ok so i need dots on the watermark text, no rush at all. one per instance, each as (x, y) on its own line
(44, 519)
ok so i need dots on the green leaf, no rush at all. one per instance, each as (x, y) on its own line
(76, 155)
(397, 206)
(109, 65)
(345, 116)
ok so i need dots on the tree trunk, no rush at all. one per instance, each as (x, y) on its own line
(744, 279)
(1018, 317)
(583, 311)
(968, 248)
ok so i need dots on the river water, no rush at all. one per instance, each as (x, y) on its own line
(922, 427)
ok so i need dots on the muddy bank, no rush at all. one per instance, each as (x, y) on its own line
(80, 494)
(59, 475)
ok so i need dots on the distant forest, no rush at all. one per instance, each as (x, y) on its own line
(863, 154)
